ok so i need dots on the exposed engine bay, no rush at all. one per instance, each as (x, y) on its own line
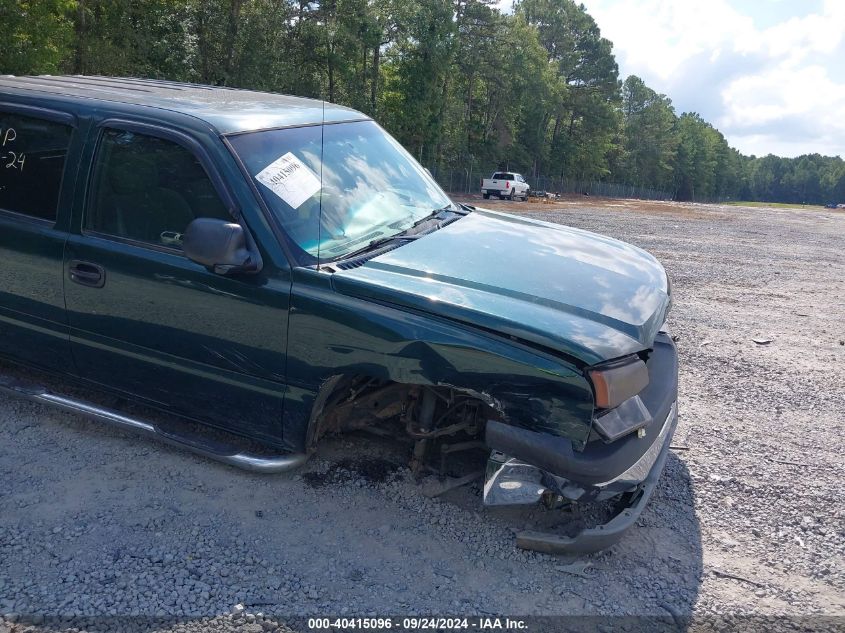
(438, 424)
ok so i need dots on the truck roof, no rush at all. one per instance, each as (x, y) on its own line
(228, 110)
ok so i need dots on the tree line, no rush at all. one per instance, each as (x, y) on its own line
(458, 82)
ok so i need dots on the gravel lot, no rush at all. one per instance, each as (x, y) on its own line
(748, 519)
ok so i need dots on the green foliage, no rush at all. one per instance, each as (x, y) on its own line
(585, 119)
(418, 77)
(650, 139)
(809, 179)
(145, 38)
(462, 85)
(36, 35)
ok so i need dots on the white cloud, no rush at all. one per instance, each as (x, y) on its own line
(662, 35)
(795, 109)
(769, 84)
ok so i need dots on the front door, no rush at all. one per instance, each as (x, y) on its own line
(149, 322)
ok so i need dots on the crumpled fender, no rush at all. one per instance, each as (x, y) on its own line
(333, 335)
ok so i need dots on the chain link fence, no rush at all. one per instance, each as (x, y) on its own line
(468, 181)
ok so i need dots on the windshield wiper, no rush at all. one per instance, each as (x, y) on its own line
(377, 243)
(428, 217)
(402, 235)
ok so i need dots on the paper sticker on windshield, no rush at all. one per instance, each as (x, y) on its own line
(290, 179)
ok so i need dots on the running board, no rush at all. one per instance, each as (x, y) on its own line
(217, 451)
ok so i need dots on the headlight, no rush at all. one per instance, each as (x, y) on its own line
(617, 381)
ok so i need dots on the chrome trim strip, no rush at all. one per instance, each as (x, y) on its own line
(640, 470)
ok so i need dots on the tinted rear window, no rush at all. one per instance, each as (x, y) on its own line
(502, 176)
(32, 161)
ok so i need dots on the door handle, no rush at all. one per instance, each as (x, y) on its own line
(87, 274)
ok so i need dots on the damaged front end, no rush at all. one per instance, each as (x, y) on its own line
(527, 467)
(450, 433)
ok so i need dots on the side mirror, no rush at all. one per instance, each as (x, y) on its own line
(218, 245)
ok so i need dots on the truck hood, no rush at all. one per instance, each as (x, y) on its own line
(579, 293)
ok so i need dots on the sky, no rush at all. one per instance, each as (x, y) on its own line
(769, 74)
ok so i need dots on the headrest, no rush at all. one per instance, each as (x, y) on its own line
(132, 174)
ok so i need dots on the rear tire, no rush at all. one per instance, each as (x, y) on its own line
(486, 196)
(512, 196)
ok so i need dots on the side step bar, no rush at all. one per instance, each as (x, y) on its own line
(207, 448)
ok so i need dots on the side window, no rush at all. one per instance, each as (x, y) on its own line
(32, 161)
(148, 189)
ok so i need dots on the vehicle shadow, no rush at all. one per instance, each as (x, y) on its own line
(651, 578)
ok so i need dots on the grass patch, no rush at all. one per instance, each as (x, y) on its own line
(775, 205)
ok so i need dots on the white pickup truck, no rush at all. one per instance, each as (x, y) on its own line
(505, 184)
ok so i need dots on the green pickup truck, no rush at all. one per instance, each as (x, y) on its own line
(280, 268)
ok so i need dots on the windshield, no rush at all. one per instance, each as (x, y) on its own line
(336, 188)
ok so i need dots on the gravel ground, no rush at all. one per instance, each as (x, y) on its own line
(98, 524)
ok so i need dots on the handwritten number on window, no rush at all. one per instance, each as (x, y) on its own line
(16, 161)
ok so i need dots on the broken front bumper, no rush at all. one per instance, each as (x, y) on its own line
(526, 464)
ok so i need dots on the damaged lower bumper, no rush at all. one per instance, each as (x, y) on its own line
(594, 539)
(526, 465)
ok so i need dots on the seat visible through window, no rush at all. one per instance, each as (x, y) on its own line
(149, 189)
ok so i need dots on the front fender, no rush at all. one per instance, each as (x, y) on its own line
(333, 335)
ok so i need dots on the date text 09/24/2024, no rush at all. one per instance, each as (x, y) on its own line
(417, 623)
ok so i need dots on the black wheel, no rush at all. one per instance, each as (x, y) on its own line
(512, 196)
(486, 196)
